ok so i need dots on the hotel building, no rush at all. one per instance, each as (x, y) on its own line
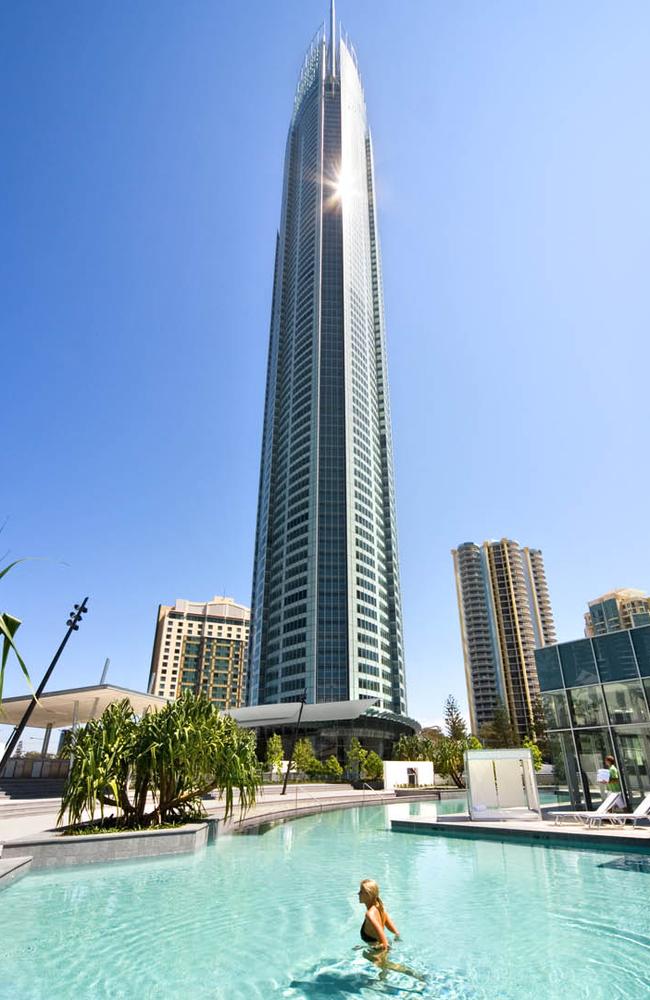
(202, 648)
(505, 614)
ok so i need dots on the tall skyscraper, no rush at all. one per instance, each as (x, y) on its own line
(201, 647)
(326, 613)
(505, 614)
(616, 611)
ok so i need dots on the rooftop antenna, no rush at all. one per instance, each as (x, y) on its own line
(332, 39)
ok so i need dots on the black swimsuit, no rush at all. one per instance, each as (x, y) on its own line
(365, 936)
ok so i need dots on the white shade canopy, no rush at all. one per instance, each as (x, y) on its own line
(286, 713)
(61, 709)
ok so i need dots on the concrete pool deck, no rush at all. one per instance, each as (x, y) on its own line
(544, 832)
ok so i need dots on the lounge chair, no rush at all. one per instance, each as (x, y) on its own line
(642, 811)
(604, 808)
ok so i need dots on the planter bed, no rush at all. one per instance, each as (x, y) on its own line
(52, 850)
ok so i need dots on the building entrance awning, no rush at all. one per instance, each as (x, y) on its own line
(76, 706)
(286, 713)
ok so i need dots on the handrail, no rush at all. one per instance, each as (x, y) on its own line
(314, 797)
(365, 785)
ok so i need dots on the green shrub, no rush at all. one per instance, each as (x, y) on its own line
(535, 753)
(332, 768)
(274, 753)
(373, 768)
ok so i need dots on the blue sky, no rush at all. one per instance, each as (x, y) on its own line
(139, 197)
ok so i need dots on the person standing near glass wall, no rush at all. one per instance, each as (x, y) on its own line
(614, 782)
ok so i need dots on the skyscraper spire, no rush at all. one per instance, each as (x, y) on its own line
(332, 38)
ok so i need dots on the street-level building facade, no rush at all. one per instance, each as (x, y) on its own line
(201, 647)
(329, 726)
(596, 697)
(326, 606)
(505, 614)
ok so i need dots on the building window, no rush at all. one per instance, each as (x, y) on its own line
(578, 663)
(615, 657)
(556, 710)
(587, 706)
(626, 703)
(641, 642)
(593, 747)
(548, 668)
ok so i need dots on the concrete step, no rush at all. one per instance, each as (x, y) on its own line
(10, 809)
(31, 788)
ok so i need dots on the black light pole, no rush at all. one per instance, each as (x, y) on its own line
(73, 626)
(303, 699)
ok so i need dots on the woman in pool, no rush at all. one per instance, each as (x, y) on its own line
(373, 933)
(376, 918)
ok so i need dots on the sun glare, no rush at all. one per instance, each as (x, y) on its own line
(342, 187)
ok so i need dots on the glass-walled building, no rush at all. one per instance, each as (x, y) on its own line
(596, 698)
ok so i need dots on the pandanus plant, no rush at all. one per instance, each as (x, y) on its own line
(156, 769)
(8, 628)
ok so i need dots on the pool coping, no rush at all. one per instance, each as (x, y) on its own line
(13, 869)
(507, 831)
(276, 816)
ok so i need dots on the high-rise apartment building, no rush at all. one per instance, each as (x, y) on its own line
(505, 614)
(616, 611)
(326, 612)
(201, 647)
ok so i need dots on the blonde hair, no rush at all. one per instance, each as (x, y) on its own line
(371, 890)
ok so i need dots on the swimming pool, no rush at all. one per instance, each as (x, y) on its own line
(276, 915)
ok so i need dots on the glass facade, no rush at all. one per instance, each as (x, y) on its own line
(549, 671)
(326, 610)
(377, 730)
(555, 709)
(578, 663)
(596, 699)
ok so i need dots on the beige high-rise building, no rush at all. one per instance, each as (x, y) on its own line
(616, 611)
(505, 614)
(202, 648)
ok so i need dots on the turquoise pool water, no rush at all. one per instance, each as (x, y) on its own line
(276, 915)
